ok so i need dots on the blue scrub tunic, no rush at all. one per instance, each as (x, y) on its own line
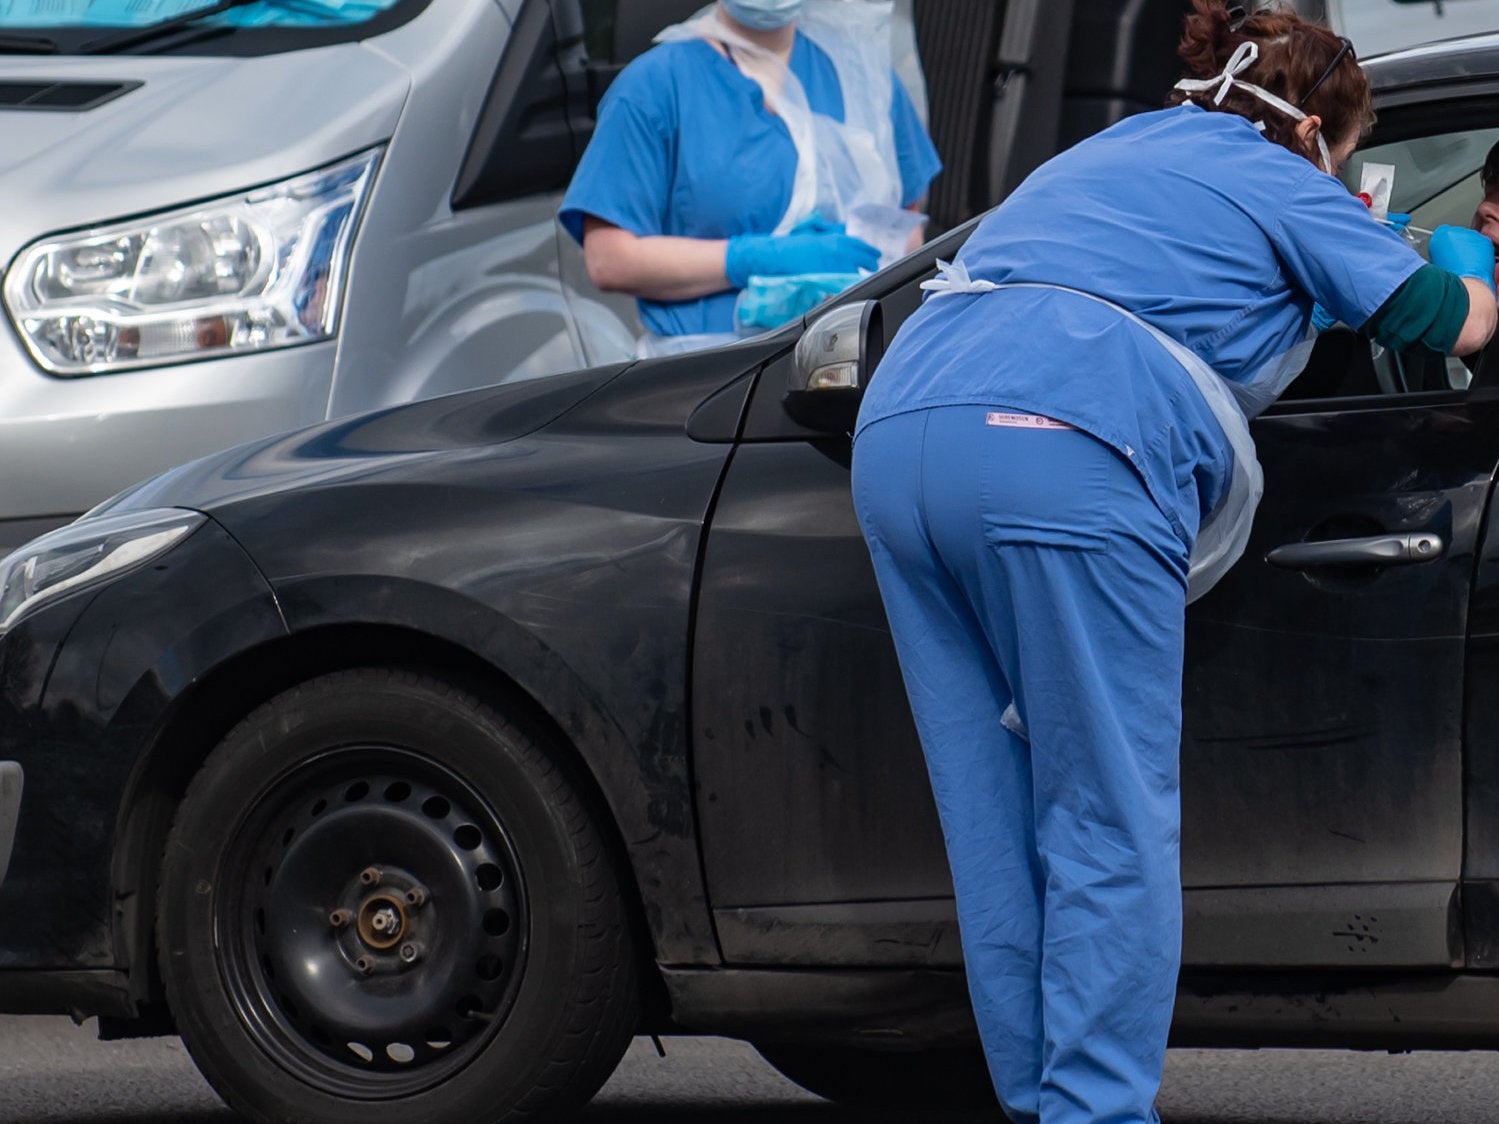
(1193, 221)
(685, 146)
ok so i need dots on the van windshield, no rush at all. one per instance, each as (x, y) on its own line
(139, 13)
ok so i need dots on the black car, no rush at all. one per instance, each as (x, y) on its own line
(415, 762)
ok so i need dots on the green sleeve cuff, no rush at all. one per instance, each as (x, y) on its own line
(1426, 313)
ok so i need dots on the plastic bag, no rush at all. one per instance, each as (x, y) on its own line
(769, 302)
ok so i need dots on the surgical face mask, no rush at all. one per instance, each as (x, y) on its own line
(763, 15)
(1239, 61)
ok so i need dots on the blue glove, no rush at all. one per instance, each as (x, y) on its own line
(807, 249)
(1322, 319)
(1463, 252)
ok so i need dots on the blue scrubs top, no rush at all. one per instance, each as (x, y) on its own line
(1194, 222)
(685, 146)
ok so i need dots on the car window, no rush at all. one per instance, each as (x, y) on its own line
(1435, 181)
(139, 13)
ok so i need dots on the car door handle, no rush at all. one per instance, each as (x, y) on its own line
(1376, 550)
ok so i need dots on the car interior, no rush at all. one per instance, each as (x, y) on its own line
(1436, 182)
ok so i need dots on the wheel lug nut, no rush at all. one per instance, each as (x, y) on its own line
(411, 952)
(370, 875)
(339, 918)
(365, 965)
(385, 920)
(416, 896)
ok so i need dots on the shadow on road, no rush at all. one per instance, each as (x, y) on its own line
(779, 1114)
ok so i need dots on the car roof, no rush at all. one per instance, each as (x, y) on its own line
(1440, 63)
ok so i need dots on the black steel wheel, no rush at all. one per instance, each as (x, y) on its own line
(948, 1078)
(379, 896)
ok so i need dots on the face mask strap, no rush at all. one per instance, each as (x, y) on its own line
(1241, 60)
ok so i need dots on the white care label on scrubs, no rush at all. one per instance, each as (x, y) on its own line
(1023, 421)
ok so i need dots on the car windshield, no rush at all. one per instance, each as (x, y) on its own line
(139, 13)
(1379, 26)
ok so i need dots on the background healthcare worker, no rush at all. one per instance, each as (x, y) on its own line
(1053, 449)
(746, 144)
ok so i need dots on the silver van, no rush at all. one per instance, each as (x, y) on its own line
(217, 232)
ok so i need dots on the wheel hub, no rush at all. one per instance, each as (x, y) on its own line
(382, 921)
(387, 913)
(418, 937)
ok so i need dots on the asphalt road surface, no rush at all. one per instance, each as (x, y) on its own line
(52, 1072)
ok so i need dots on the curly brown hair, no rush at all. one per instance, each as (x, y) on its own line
(1295, 55)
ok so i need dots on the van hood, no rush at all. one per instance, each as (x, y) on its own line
(195, 127)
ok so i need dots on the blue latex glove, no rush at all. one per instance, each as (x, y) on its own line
(1463, 252)
(813, 247)
(1322, 319)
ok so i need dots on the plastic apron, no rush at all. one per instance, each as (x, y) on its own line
(1224, 534)
(841, 165)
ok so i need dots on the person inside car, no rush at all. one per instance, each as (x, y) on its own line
(1053, 458)
(743, 145)
(1486, 217)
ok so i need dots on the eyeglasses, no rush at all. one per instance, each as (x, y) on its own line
(1345, 50)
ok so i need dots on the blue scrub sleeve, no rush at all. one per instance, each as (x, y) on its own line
(1335, 251)
(624, 177)
(914, 151)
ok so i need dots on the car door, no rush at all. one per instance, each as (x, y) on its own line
(1323, 761)
(1322, 756)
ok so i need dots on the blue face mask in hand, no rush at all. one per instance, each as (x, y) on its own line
(763, 15)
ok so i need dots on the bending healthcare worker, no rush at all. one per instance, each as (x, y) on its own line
(763, 153)
(1053, 458)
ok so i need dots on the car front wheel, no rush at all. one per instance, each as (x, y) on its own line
(381, 897)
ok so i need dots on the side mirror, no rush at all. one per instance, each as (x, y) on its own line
(833, 361)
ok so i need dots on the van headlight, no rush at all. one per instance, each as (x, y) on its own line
(85, 553)
(260, 269)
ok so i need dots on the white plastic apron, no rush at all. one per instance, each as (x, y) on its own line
(842, 166)
(652, 345)
(1224, 534)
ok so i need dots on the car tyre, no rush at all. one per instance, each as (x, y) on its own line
(380, 898)
(950, 1078)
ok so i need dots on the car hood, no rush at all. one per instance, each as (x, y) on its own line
(366, 444)
(180, 130)
(1462, 60)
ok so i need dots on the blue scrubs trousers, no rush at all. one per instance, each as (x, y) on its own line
(1030, 566)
